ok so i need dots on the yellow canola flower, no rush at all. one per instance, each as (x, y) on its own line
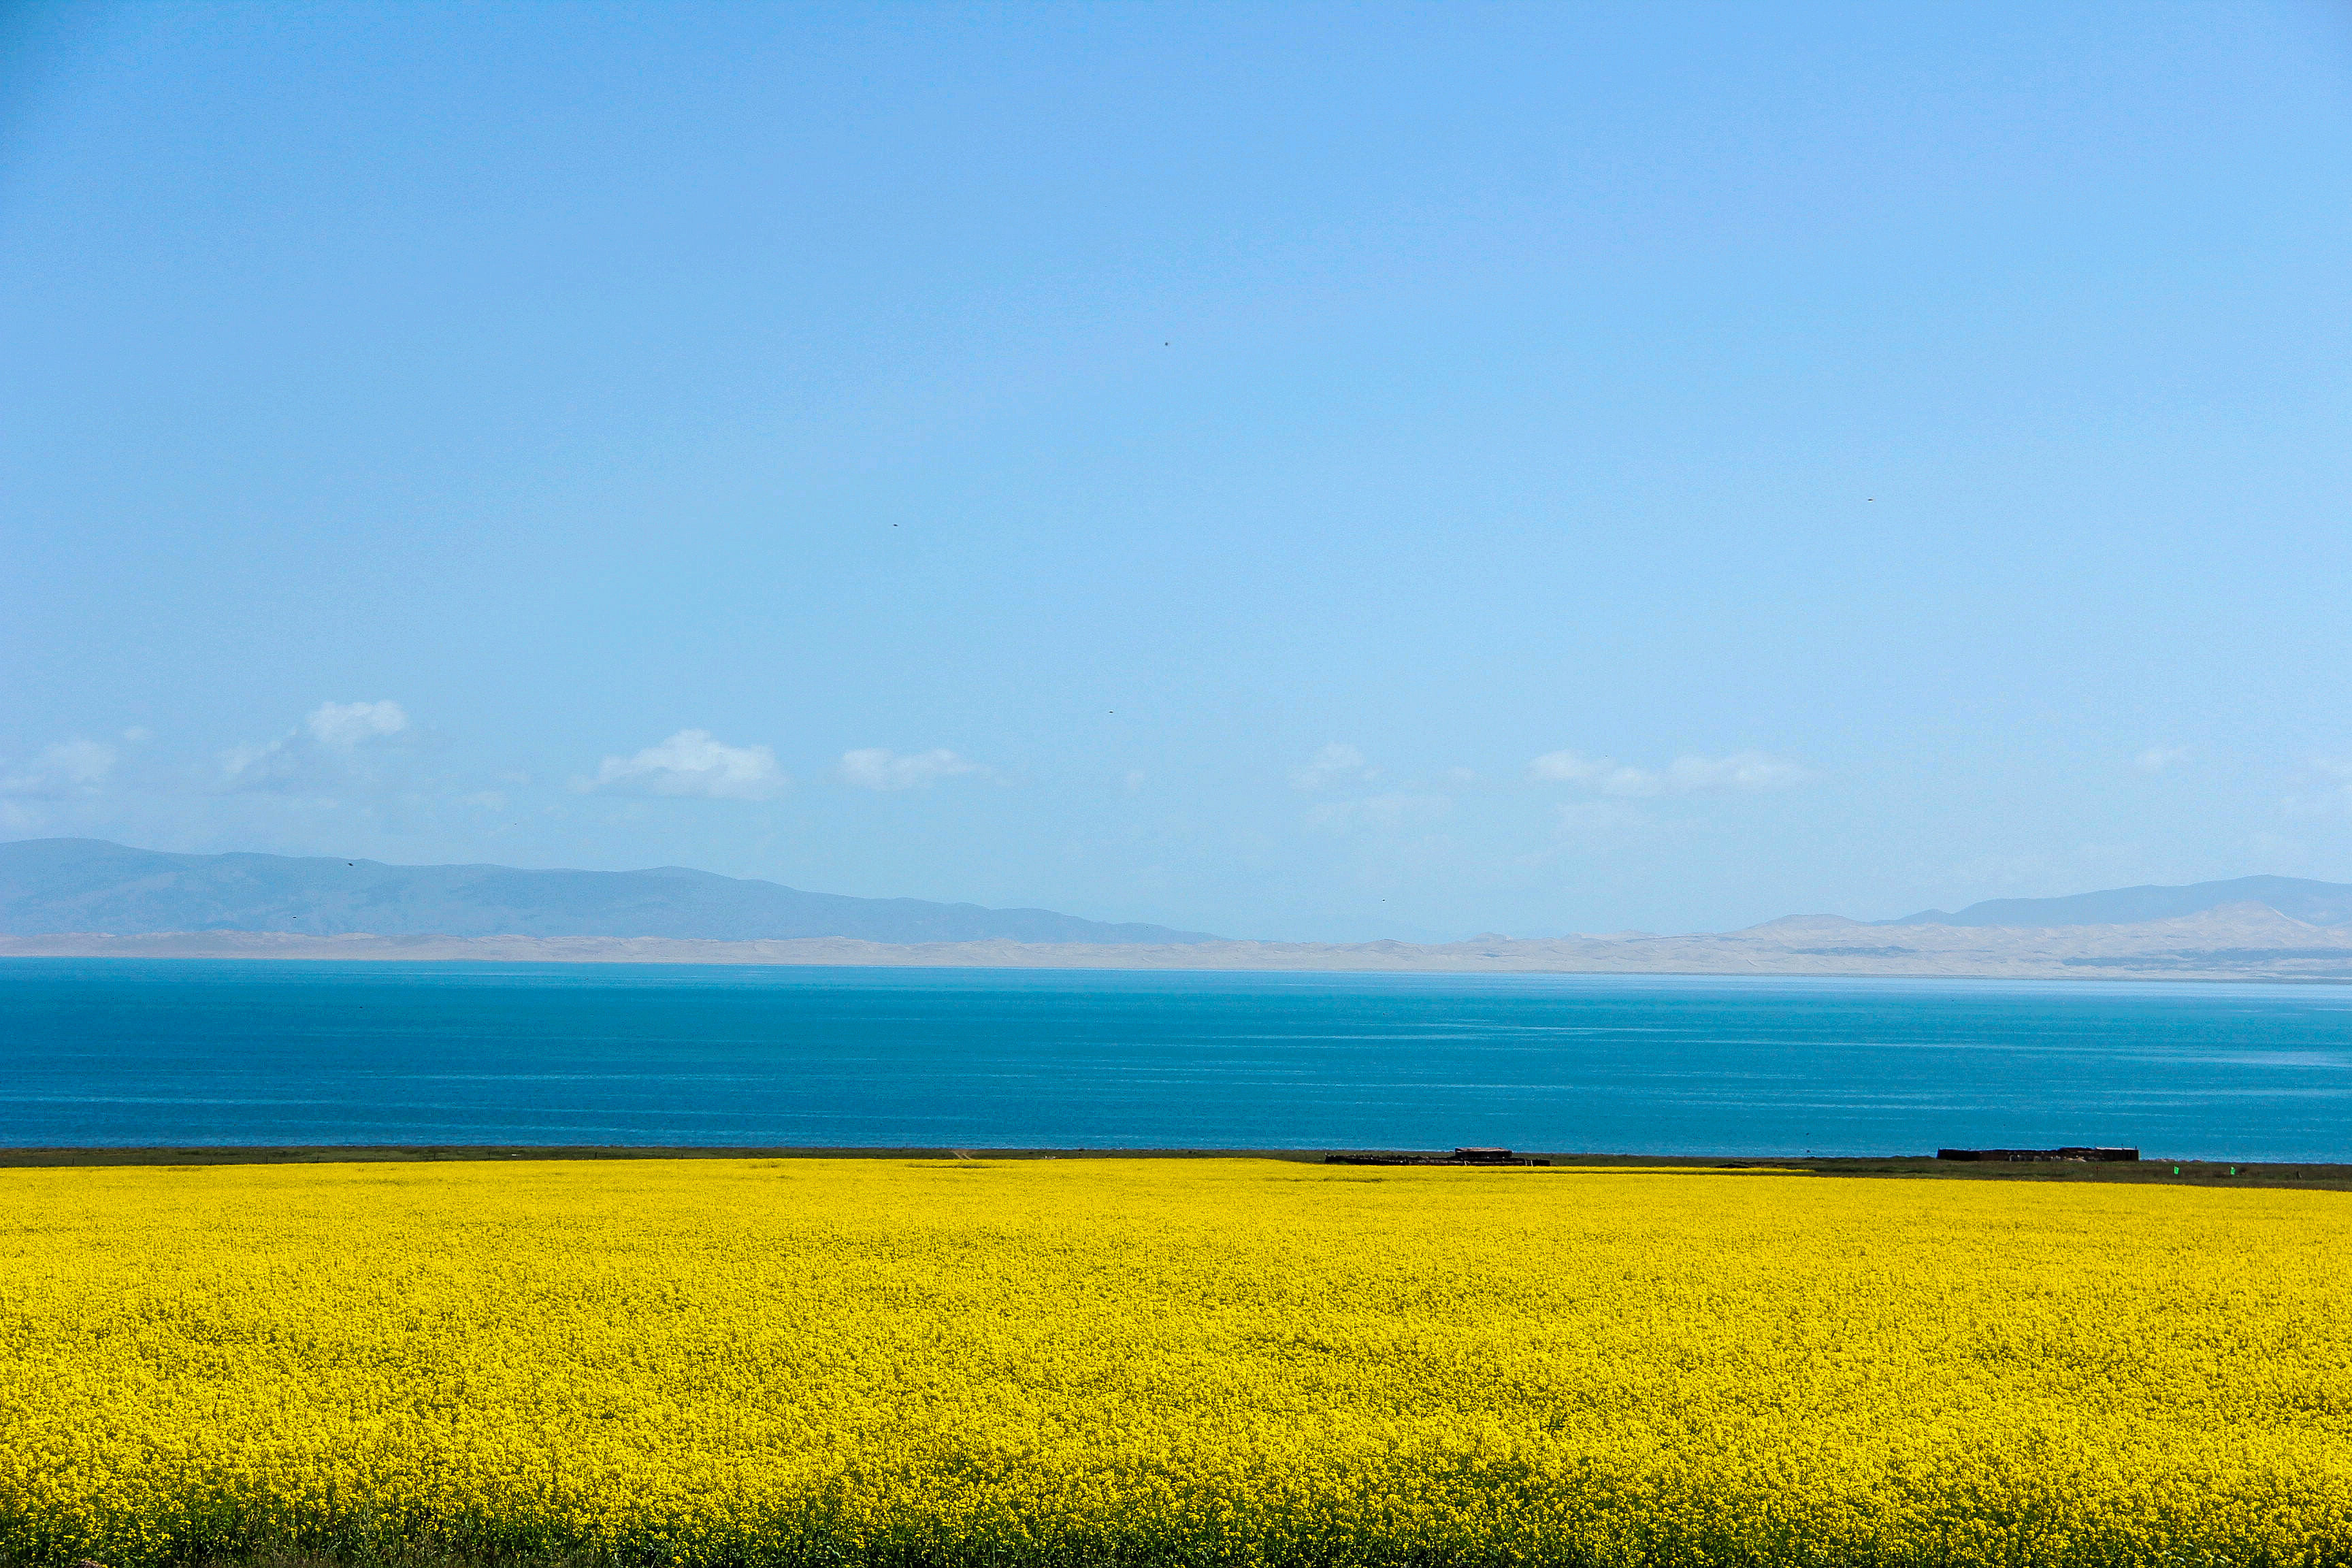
(1169, 1362)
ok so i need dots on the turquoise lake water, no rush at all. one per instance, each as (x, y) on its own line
(121, 1052)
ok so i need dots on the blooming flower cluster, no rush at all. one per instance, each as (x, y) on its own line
(1148, 1362)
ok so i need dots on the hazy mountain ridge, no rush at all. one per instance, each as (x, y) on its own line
(2317, 903)
(87, 885)
(2245, 942)
(83, 897)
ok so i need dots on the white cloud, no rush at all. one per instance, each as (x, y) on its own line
(68, 769)
(256, 767)
(692, 764)
(1335, 763)
(1741, 771)
(1566, 767)
(874, 767)
(1602, 773)
(344, 725)
(338, 747)
(2156, 759)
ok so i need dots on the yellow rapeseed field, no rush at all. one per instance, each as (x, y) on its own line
(1165, 1362)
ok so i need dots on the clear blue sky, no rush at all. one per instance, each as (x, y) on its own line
(1310, 471)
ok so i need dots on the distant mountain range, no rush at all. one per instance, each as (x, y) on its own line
(2236, 942)
(69, 896)
(58, 885)
(2314, 903)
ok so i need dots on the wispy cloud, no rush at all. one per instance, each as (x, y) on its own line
(69, 770)
(2158, 758)
(1334, 764)
(1604, 773)
(692, 764)
(338, 746)
(1741, 771)
(874, 767)
(348, 724)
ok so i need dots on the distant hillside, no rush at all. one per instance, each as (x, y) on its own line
(2314, 903)
(2236, 941)
(55, 885)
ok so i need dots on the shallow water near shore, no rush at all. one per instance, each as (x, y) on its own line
(99, 1052)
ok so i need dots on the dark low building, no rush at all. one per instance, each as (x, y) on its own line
(2076, 1155)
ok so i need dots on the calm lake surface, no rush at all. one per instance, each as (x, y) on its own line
(116, 1052)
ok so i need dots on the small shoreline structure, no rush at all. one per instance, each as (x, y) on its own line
(2061, 1165)
(1459, 1157)
(1051, 1362)
(2072, 1155)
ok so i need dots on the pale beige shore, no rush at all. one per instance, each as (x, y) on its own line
(2240, 942)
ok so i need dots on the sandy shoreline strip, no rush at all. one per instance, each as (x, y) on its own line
(2241, 941)
(2200, 1173)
